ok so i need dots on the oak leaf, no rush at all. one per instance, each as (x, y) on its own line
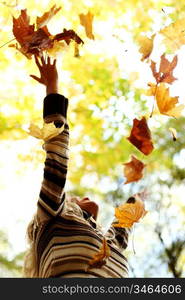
(146, 46)
(46, 17)
(99, 259)
(133, 170)
(86, 21)
(167, 104)
(140, 136)
(166, 69)
(129, 213)
(174, 35)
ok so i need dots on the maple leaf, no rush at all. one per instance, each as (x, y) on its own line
(130, 212)
(86, 21)
(166, 69)
(99, 259)
(133, 170)
(22, 29)
(46, 17)
(45, 133)
(140, 136)
(166, 103)
(146, 46)
(174, 35)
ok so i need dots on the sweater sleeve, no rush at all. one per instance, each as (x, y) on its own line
(120, 235)
(52, 195)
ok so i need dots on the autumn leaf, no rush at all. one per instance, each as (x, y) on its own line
(166, 69)
(129, 213)
(86, 21)
(174, 35)
(146, 46)
(67, 36)
(133, 170)
(22, 29)
(35, 42)
(166, 103)
(45, 133)
(140, 136)
(46, 17)
(99, 259)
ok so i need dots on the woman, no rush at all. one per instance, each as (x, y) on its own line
(63, 235)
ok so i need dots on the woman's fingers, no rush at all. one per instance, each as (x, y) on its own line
(37, 62)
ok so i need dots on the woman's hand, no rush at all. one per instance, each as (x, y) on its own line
(48, 74)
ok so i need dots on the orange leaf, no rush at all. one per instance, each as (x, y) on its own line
(130, 212)
(99, 259)
(34, 42)
(140, 136)
(22, 30)
(133, 170)
(166, 103)
(86, 21)
(46, 17)
(166, 69)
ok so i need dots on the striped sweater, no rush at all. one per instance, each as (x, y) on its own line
(66, 237)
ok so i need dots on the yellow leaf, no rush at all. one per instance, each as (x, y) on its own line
(146, 46)
(86, 21)
(166, 103)
(47, 132)
(174, 35)
(129, 213)
(46, 17)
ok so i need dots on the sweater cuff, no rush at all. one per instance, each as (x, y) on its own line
(55, 109)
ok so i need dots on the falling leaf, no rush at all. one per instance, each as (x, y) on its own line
(129, 213)
(140, 136)
(174, 35)
(47, 132)
(174, 133)
(166, 69)
(67, 36)
(166, 103)
(86, 21)
(99, 259)
(146, 46)
(22, 30)
(42, 21)
(133, 170)
(31, 42)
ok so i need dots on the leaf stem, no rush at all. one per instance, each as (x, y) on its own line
(7, 42)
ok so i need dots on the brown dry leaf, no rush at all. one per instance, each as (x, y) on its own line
(129, 213)
(174, 35)
(140, 136)
(133, 170)
(146, 46)
(174, 133)
(166, 103)
(86, 21)
(166, 69)
(99, 259)
(67, 36)
(46, 17)
(22, 29)
(35, 42)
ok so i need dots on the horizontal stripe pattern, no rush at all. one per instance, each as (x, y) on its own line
(69, 238)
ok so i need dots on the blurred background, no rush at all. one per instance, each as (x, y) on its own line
(106, 85)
